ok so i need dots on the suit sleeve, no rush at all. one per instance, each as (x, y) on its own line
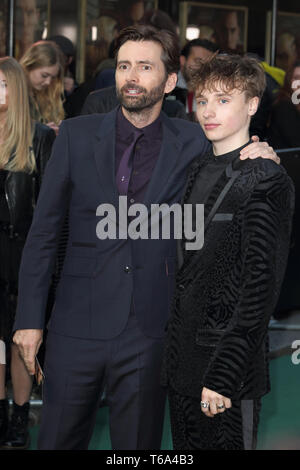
(263, 257)
(38, 257)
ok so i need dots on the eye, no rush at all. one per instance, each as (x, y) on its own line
(224, 100)
(146, 67)
(201, 102)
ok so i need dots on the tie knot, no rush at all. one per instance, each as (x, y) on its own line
(137, 133)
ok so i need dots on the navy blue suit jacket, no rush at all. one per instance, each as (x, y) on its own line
(94, 295)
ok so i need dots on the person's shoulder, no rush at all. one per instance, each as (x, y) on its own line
(42, 131)
(262, 169)
(86, 121)
(102, 93)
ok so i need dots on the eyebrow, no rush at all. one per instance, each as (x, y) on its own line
(219, 95)
(148, 62)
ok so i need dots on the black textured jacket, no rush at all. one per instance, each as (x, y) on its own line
(22, 188)
(226, 292)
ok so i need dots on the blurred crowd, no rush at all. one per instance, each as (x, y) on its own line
(40, 90)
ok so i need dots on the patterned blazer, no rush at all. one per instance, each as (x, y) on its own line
(226, 292)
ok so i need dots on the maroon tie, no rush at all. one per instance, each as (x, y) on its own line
(125, 167)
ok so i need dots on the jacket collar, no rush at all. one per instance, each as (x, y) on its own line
(104, 155)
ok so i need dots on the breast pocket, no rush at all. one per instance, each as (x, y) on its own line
(222, 217)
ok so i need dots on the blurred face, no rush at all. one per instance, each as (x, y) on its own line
(3, 93)
(196, 56)
(141, 79)
(232, 30)
(42, 77)
(296, 77)
(137, 11)
(29, 17)
(225, 117)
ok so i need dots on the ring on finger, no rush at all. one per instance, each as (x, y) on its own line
(220, 406)
(204, 404)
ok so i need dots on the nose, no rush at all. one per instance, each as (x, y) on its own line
(132, 75)
(208, 111)
(47, 81)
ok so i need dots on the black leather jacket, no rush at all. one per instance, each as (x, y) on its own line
(21, 189)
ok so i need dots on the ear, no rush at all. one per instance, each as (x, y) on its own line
(253, 105)
(171, 82)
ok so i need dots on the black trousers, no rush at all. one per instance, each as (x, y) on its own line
(235, 429)
(77, 371)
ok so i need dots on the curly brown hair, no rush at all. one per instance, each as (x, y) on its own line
(230, 71)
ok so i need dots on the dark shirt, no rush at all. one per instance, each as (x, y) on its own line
(206, 180)
(145, 155)
(209, 175)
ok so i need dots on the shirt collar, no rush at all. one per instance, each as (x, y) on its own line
(125, 128)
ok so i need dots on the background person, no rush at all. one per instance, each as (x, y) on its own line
(27, 25)
(24, 151)
(285, 115)
(192, 54)
(44, 67)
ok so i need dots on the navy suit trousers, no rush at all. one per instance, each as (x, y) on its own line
(77, 373)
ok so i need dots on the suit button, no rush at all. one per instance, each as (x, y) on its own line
(181, 287)
(127, 269)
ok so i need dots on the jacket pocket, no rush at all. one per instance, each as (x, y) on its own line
(79, 266)
(222, 217)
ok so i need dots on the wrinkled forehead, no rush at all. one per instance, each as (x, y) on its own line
(136, 51)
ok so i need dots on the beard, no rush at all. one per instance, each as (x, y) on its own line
(137, 104)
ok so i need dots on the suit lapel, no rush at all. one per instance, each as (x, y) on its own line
(167, 161)
(104, 155)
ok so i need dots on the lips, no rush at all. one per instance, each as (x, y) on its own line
(211, 126)
(132, 90)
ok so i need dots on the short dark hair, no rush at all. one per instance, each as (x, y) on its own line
(205, 43)
(166, 39)
(230, 71)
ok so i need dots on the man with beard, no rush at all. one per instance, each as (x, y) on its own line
(108, 324)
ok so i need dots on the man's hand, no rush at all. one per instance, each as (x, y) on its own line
(28, 342)
(217, 403)
(259, 149)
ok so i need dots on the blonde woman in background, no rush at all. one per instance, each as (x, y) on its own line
(43, 64)
(24, 151)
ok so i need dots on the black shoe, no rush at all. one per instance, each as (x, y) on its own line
(3, 420)
(18, 436)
